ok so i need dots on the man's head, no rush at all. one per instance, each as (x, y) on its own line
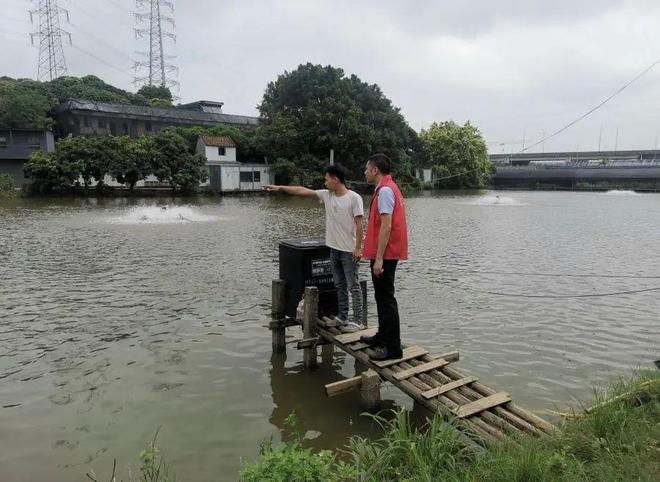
(377, 166)
(335, 176)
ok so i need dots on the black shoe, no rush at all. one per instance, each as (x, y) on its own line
(383, 353)
(370, 340)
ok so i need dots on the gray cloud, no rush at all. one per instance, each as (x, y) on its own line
(512, 67)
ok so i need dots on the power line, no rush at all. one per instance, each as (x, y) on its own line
(559, 275)
(593, 109)
(103, 61)
(563, 297)
(570, 124)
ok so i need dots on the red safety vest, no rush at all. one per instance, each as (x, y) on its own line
(397, 246)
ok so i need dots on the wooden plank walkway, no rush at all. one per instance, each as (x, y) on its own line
(434, 383)
(430, 380)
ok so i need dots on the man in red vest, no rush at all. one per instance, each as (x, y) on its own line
(386, 243)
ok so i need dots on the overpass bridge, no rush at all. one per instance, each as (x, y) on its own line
(566, 169)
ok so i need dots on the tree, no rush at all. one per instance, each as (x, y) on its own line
(23, 104)
(158, 95)
(134, 162)
(459, 154)
(174, 163)
(313, 109)
(93, 157)
(48, 172)
(27, 103)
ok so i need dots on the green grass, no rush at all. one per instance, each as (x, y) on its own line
(618, 441)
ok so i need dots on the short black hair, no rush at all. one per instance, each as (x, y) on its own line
(381, 162)
(338, 171)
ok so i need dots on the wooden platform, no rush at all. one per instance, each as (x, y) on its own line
(433, 382)
(430, 380)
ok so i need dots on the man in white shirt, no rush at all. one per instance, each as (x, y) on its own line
(344, 212)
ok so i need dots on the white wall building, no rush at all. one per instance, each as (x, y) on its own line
(217, 149)
(225, 173)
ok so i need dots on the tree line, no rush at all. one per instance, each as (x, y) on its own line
(304, 114)
(166, 155)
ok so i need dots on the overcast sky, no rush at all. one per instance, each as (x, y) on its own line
(511, 67)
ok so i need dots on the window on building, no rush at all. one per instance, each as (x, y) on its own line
(33, 142)
(86, 121)
(3, 142)
(125, 127)
(221, 151)
(113, 128)
(147, 126)
(250, 176)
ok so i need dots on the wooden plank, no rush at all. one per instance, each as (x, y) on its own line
(450, 356)
(482, 404)
(353, 337)
(358, 346)
(343, 386)
(447, 387)
(424, 367)
(408, 354)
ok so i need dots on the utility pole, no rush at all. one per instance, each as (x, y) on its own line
(523, 141)
(600, 135)
(52, 63)
(158, 70)
(616, 139)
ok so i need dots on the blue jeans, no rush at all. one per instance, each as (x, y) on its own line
(345, 276)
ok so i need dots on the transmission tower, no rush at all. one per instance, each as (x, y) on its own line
(159, 72)
(51, 54)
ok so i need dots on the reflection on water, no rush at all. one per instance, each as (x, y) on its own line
(112, 325)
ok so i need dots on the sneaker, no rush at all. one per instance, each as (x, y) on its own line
(339, 321)
(351, 327)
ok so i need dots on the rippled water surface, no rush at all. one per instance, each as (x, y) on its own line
(118, 316)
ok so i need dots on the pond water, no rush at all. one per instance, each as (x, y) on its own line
(118, 317)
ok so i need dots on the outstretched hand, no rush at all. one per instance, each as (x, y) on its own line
(271, 188)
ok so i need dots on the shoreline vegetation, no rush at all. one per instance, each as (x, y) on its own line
(616, 438)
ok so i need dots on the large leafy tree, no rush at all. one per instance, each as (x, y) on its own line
(458, 154)
(27, 103)
(134, 162)
(307, 112)
(49, 172)
(23, 104)
(158, 95)
(174, 163)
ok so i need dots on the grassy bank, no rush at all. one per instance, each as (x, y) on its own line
(618, 440)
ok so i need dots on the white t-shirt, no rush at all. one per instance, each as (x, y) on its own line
(340, 213)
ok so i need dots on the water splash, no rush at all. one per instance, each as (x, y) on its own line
(161, 215)
(495, 200)
(621, 192)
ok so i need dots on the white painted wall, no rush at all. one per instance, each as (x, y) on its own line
(212, 155)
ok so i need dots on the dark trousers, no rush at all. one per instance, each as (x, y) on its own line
(389, 331)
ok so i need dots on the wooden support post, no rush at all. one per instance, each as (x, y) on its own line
(278, 309)
(365, 317)
(370, 390)
(310, 314)
(327, 353)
